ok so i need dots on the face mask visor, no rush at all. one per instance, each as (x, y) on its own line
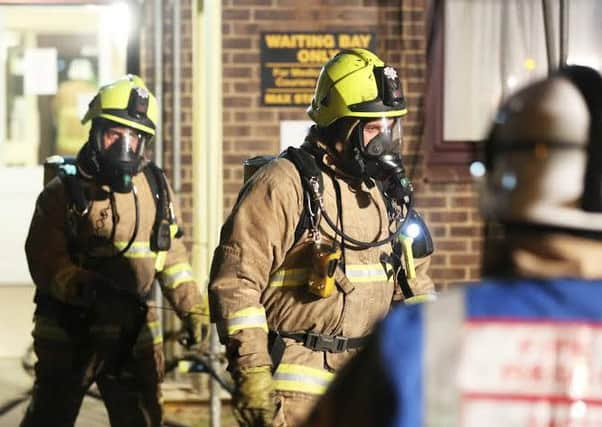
(122, 144)
(121, 155)
(380, 146)
(381, 137)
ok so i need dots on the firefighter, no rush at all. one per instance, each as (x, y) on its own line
(520, 348)
(101, 232)
(312, 253)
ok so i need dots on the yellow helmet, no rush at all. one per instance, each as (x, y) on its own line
(126, 101)
(356, 83)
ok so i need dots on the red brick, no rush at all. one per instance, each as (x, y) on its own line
(254, 2)
(236, 131)
(274, 14)
(465, 260)
(438, 273)
(448, 216)
(451, 245)
(424, 201)
(465, 231)
(242, 58)
(236, 15)
(236, 43)
(237, 102)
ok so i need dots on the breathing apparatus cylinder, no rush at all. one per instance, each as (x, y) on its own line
(253, 164)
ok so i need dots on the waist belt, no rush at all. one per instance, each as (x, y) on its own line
(313, 341)
(321, 342)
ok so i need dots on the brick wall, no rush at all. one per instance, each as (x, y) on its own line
(449, 205)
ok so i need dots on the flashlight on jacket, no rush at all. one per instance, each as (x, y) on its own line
(416, 235)
(325, 259)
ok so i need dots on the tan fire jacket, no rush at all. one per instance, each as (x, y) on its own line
(106, 229)
(259, 276)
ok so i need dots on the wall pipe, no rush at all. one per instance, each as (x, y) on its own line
(207, 160)
(564, 32)
(158, 140)
(176, 78)
(548, 19)
(158, 83)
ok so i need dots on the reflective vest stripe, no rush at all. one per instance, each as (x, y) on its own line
(151, 333)
(367, 273)
(176, 274)
(289, 277)
(356, 273)
(251, 317)
(289, 377)
(136, 250)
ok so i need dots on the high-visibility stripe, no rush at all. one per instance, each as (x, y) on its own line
(151, 333)
(136, 250)
(356, 273)
(176, 274)
(289, 377)
(162, 255)
(366, 273)
(251, 317)
(289, 277)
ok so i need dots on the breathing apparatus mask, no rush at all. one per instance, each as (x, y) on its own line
(373, 149)
(119, 153)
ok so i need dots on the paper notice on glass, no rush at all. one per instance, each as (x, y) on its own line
(293, 132)
(40, 71)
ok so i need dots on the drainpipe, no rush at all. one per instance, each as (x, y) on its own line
(158, 89)
(548, 19)
(207, 159)
(177, 178)
(564, 31)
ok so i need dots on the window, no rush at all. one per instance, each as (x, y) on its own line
(50, 70)
(482, 51)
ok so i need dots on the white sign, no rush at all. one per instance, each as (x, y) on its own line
(293, 132)
(531, 374)
(40, 71)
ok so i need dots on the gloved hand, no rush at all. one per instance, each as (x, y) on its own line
(254, 397)
(196, 324)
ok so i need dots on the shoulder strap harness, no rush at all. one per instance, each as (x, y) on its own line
(313, 190)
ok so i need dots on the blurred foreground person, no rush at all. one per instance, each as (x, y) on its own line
(313, 252)
(102, 230)
(523, 347)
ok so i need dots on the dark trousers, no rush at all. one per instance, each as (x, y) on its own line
(65, 370)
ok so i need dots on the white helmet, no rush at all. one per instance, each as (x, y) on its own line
(543, 154)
